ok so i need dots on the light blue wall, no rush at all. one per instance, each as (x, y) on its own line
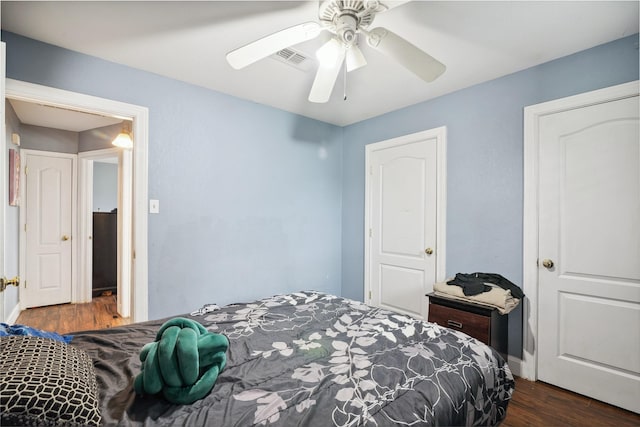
(250, 196)
(47, 139)
(105, 186)
(255, 201)
(484, 165)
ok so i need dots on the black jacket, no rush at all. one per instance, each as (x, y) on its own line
(474, 283)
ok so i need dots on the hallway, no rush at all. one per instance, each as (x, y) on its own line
(65, 318)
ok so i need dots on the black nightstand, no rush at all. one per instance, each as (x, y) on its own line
(482, 323)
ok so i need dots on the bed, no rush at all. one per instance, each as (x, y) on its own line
(312, 359)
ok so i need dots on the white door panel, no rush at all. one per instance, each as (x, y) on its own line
(580, 312)
(402, 202)
(49, 229)
(589, 219)
(601, 179)
(402, 289)
(403, 219)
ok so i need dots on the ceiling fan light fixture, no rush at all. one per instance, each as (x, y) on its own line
(355, 59)
(329, 53)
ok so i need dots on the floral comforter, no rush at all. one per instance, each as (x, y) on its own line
(312, 359)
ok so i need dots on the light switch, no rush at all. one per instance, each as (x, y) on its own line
(154, 206)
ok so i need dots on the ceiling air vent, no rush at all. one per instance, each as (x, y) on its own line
(294, 58)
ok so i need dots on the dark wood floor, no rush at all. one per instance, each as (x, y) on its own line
(540, 404)
(100, 313)
(533, 403)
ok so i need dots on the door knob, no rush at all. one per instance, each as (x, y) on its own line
(428, 251)
(8, 282)
(65, 238)
(547, 263)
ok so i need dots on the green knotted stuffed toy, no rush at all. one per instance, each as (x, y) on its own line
(183, 362)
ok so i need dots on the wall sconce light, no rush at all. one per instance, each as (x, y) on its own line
(123, 140)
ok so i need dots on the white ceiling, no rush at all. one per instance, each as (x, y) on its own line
(58, 118)
(477, 41)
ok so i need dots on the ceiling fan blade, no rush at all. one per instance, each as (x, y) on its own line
(326, 77)
(355, 59)
(392, 4)
(377, 6)
(328, 53)
(261, 48)
(409, 56)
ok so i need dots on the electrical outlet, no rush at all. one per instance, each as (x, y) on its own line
(154, 206)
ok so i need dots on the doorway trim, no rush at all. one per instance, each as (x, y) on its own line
(440, 134)
(532, 116)
(139, 115)
(86, 161)
(4, 192)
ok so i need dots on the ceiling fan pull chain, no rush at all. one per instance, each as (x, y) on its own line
(345, 84)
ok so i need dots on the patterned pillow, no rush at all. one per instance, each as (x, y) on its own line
(46, 382)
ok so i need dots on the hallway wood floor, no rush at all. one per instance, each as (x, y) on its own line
(534, 404)
(100, 313)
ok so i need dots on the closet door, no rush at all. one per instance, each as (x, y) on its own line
(589, 237)
(403, 223)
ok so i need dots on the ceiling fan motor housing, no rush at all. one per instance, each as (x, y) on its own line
(346, 27)
(346, 17)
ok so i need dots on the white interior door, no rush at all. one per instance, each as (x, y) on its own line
(49, 184)
(589, 219)
(403, 198)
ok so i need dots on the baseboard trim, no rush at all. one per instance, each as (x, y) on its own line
(14, 315)
(515, 364)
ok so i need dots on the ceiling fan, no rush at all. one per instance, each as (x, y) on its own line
(345, 20)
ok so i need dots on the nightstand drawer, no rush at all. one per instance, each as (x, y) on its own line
(475, 325)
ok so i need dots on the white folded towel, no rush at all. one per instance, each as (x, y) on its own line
(497, 297)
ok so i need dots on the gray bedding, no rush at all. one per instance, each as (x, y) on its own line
(312, 359)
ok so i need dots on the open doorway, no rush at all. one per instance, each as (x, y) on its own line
(55, 245)
(104, 271)
(104, 277)
(136, 301)
(105, 225)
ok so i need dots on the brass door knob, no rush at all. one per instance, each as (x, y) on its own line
(65, 238)
(4, 282)
(547, 263)
(428, 251)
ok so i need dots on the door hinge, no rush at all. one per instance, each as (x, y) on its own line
(25, 228)
(134, 254)
(26, 170)
(369, 295)
(370, 232)
(25, 284)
